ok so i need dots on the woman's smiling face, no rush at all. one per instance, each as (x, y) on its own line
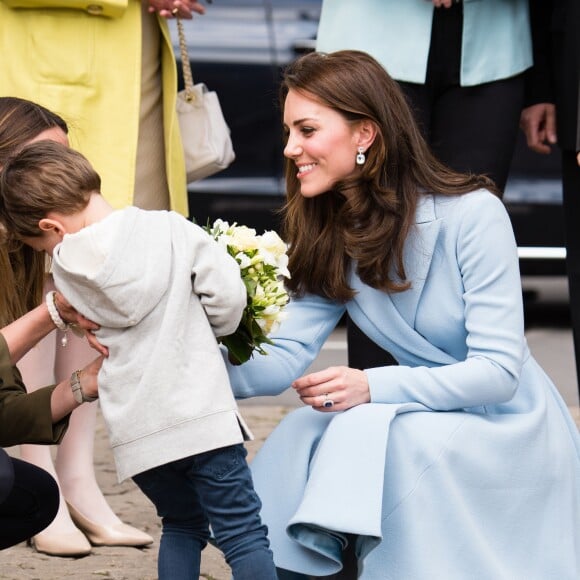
(321, 142)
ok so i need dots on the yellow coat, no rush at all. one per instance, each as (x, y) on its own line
(85, 65)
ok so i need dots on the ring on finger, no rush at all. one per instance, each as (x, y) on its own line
(328, 402)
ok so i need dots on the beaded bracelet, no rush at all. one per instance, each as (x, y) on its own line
(56, 317)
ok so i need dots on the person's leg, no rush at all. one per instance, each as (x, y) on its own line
(37, 371)
(362, 352)
(185, 526)
(571, 189)
(75, 455)
(474, 129)
(443, 66)
(30, 506)
(224, 482)
(419, 98)
(50, 362)
(471, 129)
(61, 536)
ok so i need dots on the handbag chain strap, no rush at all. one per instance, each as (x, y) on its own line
(185, 64)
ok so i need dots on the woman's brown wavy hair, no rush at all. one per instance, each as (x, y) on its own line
(22, 270)
(368, 227)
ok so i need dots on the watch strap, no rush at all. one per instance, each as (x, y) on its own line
(78, 394)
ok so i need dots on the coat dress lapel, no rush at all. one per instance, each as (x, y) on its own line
(400, 309)
(417, 256)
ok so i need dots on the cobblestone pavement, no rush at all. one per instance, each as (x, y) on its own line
(22, 563)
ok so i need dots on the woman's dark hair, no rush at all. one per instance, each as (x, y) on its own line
(21, 121)
(365, 220)
(22, 270)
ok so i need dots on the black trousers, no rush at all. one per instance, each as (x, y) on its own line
(30, 506)
(571, 197)
(470, 129)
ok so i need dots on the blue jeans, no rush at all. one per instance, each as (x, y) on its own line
(213, 488)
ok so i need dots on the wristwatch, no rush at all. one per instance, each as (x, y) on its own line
(75, 385)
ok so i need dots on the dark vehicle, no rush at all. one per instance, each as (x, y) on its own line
(533, 197)
(239, 48)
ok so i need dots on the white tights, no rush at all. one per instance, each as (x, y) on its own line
(47, 363)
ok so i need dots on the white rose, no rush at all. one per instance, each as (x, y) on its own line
(221, 226)
(271, 242)
(244, 238)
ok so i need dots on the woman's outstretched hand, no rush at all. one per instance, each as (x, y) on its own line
(333, 389)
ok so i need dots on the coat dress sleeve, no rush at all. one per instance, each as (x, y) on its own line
(308, 323)
(471, 309)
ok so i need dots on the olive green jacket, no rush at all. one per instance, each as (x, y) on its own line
(24, 417)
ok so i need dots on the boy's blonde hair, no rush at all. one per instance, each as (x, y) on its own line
(44, 177)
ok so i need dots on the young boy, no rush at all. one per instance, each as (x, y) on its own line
(161, 290)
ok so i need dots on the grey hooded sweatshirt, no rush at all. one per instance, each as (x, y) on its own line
(162, 290)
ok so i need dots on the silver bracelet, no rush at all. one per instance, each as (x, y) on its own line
(56, 317)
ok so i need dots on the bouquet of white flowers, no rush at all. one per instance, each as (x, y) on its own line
(263, 266)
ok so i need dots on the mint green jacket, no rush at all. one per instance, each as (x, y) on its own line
(496, 36)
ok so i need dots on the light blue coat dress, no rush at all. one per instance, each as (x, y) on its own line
(466, 463)
(496, 42)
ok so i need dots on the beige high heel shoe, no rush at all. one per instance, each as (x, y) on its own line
(115, 535)
(73, 544)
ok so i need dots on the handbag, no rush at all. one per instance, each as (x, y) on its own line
(207, 144)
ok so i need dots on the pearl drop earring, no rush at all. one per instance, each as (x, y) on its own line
(360, 157)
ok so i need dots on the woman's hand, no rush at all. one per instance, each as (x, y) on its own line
(172, 8)
(62, 401)
(95, 344)
(73, 317)
(442, 3)
(538, 122)
(70, 315)
(88, 377)
(333, 389)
